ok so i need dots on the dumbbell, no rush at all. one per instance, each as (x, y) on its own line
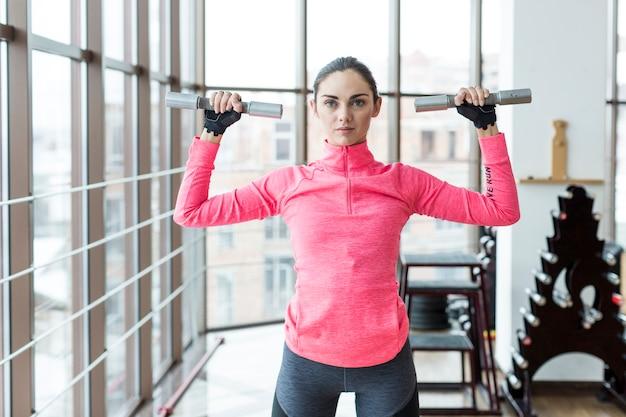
(446, 101)
(193, 102)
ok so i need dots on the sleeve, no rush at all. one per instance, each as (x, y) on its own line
(497, 206)
(256, 200)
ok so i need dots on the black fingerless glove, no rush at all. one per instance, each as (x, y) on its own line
(217, 123)
(481, 116)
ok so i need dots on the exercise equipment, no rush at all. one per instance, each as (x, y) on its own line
(194, 102)
(560, 320)
(446, 101)
(472, 343)
(487, 257)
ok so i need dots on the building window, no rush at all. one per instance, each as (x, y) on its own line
(114, 213)
(275, 228)
(224, 308)
(225, 237)
(428, 144)
(280, 279)
(451, 144)
(446, 225)
(282, 141)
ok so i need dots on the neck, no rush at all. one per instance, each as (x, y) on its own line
(348, 160)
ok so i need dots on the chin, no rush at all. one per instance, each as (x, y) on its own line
(342, 140)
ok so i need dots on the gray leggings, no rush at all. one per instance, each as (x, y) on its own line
(306, 388)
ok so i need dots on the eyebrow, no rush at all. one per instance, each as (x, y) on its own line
(337, 98)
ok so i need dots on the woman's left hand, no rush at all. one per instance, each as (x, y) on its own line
(470, 104)
(473, 95)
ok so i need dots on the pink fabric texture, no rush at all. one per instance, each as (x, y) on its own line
(345, 213)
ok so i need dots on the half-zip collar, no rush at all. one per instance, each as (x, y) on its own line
(348, 160)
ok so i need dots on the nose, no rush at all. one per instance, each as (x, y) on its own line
(345, 114)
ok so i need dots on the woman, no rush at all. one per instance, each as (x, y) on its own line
(346, 327)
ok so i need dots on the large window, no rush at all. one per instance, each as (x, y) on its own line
(436, 142)
(78, 136)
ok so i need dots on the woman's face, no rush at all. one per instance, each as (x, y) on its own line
(345, 105)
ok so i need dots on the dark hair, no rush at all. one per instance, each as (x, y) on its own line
(343, 64)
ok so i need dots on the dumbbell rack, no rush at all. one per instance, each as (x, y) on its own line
(487, 257)
(560, 322)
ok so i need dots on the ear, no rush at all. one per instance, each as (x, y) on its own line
(377, 105)
(313, 106)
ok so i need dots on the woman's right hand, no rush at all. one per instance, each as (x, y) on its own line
(223, 101)
(226, 110)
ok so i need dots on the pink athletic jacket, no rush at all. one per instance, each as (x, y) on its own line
(345, 213)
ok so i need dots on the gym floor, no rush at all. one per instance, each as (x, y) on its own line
(239, 381)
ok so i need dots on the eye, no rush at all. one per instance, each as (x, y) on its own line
(329, 103)
(359, 102)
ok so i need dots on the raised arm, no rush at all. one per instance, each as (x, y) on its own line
(497, 206)
(256, 200)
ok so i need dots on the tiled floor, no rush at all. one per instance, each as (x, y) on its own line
(242, 376)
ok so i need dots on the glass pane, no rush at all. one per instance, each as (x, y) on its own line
(155, 35)
(432, 61)
(3, 11)
(120, 314)
(115, 323)
(268, 42)
(188, 130)
(200, 278)
(113, 11)
(491, 33)
(620, 177)
(187, 39)
(192, 262)
(4, 116)
(155, 135)
(621, 48)
(160, 235)
(187, 236)
(364, 35)
(51, 19)
(377, 136)
(192, 278)
(52, 231)
(244, 155)
(438, 143)
(167, 40)
(3, 211)
(115, 126)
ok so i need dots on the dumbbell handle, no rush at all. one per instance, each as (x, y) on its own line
(193, 102)
(446, 101)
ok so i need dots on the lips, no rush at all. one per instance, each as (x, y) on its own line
(344, 129)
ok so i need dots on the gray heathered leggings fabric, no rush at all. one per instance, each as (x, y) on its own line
(306, 388)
